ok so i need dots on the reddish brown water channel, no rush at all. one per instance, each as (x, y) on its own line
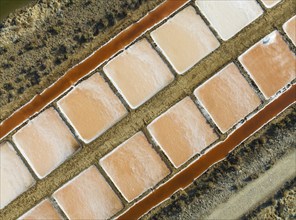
(98, 57)
(219, 152)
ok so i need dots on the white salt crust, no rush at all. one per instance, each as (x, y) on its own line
(43, 210)
(142, 166)
(45, 142)
(189, 128)
(88, 196)
(270, 3)
(185, 39)
(14, 176)
(280, 56)
(234, 92)
(138, 73)
(91, 108)
(229, 17)
(291, 33)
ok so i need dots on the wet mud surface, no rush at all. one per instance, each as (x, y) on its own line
(245, 164)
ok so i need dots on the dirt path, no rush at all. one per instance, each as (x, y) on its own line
(259, 190)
